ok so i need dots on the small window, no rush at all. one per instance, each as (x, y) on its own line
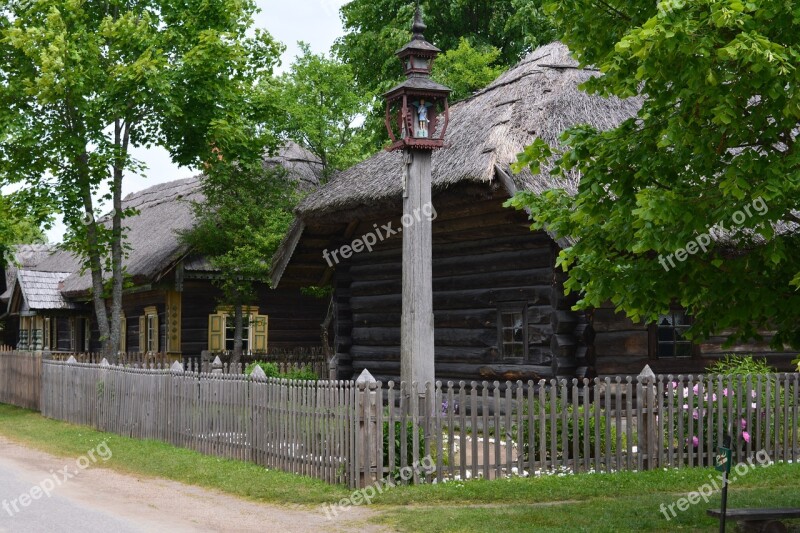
(512, 325)
(670, 336)
(148, 330)
(230, 333)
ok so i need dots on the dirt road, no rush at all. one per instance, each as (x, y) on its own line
(98, 499)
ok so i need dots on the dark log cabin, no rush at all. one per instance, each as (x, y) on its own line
(170, 304)
(499, 305)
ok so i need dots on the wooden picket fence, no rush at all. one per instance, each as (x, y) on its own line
(493, 430)
(359, 433)
(304, 427)
(20, 378)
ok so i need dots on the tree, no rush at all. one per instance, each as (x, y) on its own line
(239, 226)
(20, 220)
(322, 110)
(467, 69)
(376, 29)
(82, 83)
(696, 201)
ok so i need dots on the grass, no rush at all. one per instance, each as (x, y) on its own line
(625, 501)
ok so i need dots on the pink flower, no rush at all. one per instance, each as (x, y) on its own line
(746, 436)
(696, 388)
(752, 393)
(675, 384)
(725, 392)
(696, 441)
(686, 407)
(744, 423)
(695, 414)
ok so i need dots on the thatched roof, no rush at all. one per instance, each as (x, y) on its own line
(539, 97)
(165, 210)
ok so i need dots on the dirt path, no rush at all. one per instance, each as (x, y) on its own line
(131, 503)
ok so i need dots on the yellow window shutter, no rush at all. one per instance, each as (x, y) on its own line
(260, 332)
(216, 332)
(142, 334)
(123, 334)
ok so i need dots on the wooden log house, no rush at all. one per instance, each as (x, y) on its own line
(499, 305)
(170, 303)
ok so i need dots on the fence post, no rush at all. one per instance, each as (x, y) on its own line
(216, 366)
(372, 452)
(648, 405)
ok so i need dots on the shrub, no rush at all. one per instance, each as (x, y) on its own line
(272, 371)
(573, 433)
(739, 427)
(395, 469)
(740, 365)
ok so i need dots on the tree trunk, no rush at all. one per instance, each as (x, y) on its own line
(94, 249)
(111, 347)
(238, 324)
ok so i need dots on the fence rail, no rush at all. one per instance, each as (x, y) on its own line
(360, 433)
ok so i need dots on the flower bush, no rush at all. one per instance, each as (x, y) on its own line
(723, 394)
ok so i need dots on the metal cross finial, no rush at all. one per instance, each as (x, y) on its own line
(419, 26)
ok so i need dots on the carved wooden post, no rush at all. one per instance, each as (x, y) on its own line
(216, 366)
(648, 437)
(371, 447)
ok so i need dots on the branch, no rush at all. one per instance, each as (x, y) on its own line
(613, 9)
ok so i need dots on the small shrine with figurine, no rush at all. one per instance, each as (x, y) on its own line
(417, 110)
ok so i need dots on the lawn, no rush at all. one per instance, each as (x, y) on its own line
(626, 501)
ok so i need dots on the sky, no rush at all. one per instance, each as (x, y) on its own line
(315, 22)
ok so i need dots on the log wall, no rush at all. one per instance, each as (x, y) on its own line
(484, 255)
(623, 347)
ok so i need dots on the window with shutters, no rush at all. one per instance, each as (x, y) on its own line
(148, 330)
(221, 330)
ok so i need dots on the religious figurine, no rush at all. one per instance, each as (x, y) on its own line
(422, 117)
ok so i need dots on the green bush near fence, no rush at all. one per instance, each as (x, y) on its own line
(577, 435)
(304, 373)
(739, 426)
(398, 443)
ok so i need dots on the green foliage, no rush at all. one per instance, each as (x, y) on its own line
(714, 143)
(398, 443)
(740, 365)
(20, 222)
(322, 109)
(240, 224)
(576, 434)
(467, 69)
(376, 29)
(83, 84)
(797, 362)
(272, 371)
